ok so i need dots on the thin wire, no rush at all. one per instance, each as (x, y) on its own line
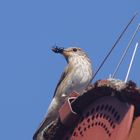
(117, 41)
(125, 52)
(131, 62)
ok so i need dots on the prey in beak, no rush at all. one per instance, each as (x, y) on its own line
(57, 49)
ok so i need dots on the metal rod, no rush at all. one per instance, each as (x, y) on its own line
(117, 41)
(131, 62)
(126, 50)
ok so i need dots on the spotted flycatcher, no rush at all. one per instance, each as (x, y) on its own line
(76, 77)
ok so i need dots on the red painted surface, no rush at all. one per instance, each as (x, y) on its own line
(135, 130)
(66, 114)
(105, 119)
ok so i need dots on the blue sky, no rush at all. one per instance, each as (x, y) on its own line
(29, 71)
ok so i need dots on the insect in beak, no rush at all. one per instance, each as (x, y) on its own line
(57, 49)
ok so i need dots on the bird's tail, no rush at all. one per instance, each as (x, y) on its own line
(50, 117)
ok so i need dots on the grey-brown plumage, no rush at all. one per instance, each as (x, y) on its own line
(76, 76)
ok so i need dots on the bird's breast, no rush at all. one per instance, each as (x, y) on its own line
(79, 77)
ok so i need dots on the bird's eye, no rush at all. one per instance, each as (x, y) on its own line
(74, 49)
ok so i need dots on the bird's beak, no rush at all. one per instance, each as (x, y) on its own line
(66, 53)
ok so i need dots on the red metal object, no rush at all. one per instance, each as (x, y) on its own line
(135, 130)
(106, 119)
(66, 114)
(104, 112)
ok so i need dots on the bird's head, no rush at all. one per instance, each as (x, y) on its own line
(69, 52)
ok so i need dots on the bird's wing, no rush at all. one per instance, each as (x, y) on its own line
(45, 121)
(61, 79)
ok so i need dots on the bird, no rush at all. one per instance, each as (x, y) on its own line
(77, 76)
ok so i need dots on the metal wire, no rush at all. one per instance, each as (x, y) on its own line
(126, 50)
(117, 41)
(131, 62)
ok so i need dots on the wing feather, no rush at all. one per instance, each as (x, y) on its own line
(61, 79)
